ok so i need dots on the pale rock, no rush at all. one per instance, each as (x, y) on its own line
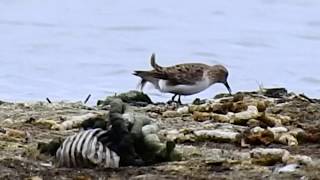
(74, 121)
(183, 110)
(172, 134)
(36, 178)
(277, 130)
(217, 134)
(287, 169)
(269, 155)
(295, 132)
(8, 121)
(47, 122)
(250, 113)
(288, 139)
(170, 114)
(257, 130)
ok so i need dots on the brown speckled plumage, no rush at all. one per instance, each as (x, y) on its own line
(188, 74)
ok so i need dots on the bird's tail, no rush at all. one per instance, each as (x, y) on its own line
(149, 76)
(146, 76)
(154, 64)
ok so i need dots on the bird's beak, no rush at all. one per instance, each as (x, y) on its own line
(228, 87)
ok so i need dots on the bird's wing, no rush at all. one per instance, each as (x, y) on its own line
(181, 74)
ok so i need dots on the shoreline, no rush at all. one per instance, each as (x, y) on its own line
(261, 135)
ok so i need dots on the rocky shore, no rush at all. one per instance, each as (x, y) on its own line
(266, 134)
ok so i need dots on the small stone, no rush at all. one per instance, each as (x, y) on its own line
(238, 107)
(295, 132)
(311, 137)
(153, 115)
(47, 165)
(288, 168)
(183, 110)
(172, 134)
(199, 108)
(146, 176)
(269, 156)
(8, 121)
(46, 123)
(275, 92)
(251, 113)
(257, 136)
(285, 120)
(216, 107)
(35, 178)
(155, 109)
(262, 106)
(82, 177)
(204, 116)
(215, 161)
(170, 114)
(76, 121)
(288, 139)
(277, 130)
(253, 123)
(16, 133)
(201, 116)
(218, 135)
(238, 97)
(257, 130)
(270, 120)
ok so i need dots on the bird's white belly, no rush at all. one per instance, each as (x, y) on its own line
(184, 89)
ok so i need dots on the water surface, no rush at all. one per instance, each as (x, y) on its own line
(69, 49)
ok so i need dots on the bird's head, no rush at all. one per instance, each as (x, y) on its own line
(219, 74)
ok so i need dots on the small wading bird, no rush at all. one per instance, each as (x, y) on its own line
(183, 79)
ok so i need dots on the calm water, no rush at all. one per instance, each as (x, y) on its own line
(68, 49)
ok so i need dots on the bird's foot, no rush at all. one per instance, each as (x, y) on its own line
(173, 103)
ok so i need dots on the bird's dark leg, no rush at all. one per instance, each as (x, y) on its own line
(179, 100)
(172, 99)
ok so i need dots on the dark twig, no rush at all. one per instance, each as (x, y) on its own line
(48, 100)
(307, 98)
(87, 99)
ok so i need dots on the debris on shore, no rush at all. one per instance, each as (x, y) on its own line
(268, 134)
